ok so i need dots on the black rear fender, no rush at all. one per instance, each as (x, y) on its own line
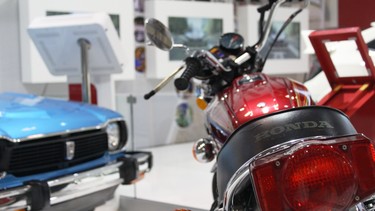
(262, 133)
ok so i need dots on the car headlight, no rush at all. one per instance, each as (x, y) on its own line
(114, 136)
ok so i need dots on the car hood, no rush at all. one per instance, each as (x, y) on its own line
(25, 116)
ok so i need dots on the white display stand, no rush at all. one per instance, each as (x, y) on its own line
(79, 45)
(248, 18)
(157, 61)
(33, 68)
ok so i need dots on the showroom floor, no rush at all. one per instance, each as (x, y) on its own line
(176, 181)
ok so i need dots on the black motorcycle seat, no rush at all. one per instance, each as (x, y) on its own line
(262, 133)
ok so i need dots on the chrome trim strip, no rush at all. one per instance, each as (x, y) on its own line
(142, 159)
(3, 174)
(20, 201)
(15, 192)
(19, 205)
(78, 184)
(37, 136)
(81, 184)
(106, 170)
(143, 167)
(288, 144)
(359, 207)
(83, 190)
(241, 174)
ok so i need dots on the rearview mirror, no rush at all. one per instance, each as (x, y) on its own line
(158, 34)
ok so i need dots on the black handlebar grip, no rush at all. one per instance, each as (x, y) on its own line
(193, 65)
(150, 94)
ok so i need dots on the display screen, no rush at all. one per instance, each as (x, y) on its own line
(288, 44)
(115, 18)
(195, 33)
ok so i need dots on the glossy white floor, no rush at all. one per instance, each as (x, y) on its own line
(176, 178)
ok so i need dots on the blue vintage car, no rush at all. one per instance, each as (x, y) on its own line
(61, 155)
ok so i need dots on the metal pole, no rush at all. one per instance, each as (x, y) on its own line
(86, 91)
(132, 100)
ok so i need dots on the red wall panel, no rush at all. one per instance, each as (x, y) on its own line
(75, 93)
(356, 13)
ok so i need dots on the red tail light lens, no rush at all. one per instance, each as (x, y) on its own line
(329, 174)
(318, 176)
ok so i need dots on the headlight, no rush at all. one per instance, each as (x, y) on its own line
(113, 133)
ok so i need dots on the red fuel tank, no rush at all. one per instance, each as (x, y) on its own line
(251, 96)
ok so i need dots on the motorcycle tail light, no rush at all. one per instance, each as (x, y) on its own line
(319, 174)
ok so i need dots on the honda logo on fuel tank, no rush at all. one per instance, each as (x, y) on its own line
(70, 148)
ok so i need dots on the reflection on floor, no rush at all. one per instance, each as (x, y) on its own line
(175, 180)
(131, 204)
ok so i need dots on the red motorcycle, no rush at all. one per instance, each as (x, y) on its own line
(274, 148)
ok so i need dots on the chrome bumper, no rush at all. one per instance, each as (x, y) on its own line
(42, 194)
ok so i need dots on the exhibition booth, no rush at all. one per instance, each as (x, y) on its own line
(185, 105)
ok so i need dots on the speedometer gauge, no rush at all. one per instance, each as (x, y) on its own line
(231, 42)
